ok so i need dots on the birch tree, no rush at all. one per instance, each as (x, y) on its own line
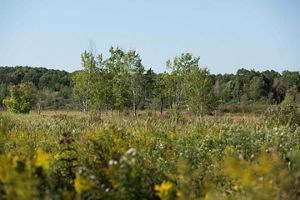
(136, 71)
(84, 80)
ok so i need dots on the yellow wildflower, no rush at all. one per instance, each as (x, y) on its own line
(179, 194)
(163, 189)
(15, 160)
(209, 196)
(42, 159)
(81, 184)
(171, 135)
(6, 171)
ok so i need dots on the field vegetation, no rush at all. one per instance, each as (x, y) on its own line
(71, 155)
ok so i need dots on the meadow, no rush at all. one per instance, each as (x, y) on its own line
(71, 155)
(149, 100)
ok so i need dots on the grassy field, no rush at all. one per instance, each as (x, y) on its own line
(71, 155)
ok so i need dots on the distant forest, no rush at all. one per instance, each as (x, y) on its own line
(53, 87)
(56, 89)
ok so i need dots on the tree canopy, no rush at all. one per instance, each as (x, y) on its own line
(121, 81)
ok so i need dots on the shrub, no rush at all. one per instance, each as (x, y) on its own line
(22, 98)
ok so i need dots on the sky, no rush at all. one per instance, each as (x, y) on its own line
(227, 35)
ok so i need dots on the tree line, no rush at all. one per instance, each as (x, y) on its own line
(121, 82)
(52, 88)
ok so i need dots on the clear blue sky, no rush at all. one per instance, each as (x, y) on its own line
(227, 35)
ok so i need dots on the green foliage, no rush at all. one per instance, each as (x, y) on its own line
(292, 96)
(3, 93)
(291, 79)
(53, 86)
(22, 98)
(79, 89)
(84, 89)
(191, 85)
(149, 81)
(120, 82)
(198, 89)
(146, 158)
(286, 114)
(256, 88)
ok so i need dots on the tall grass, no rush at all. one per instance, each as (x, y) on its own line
(67, 156)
